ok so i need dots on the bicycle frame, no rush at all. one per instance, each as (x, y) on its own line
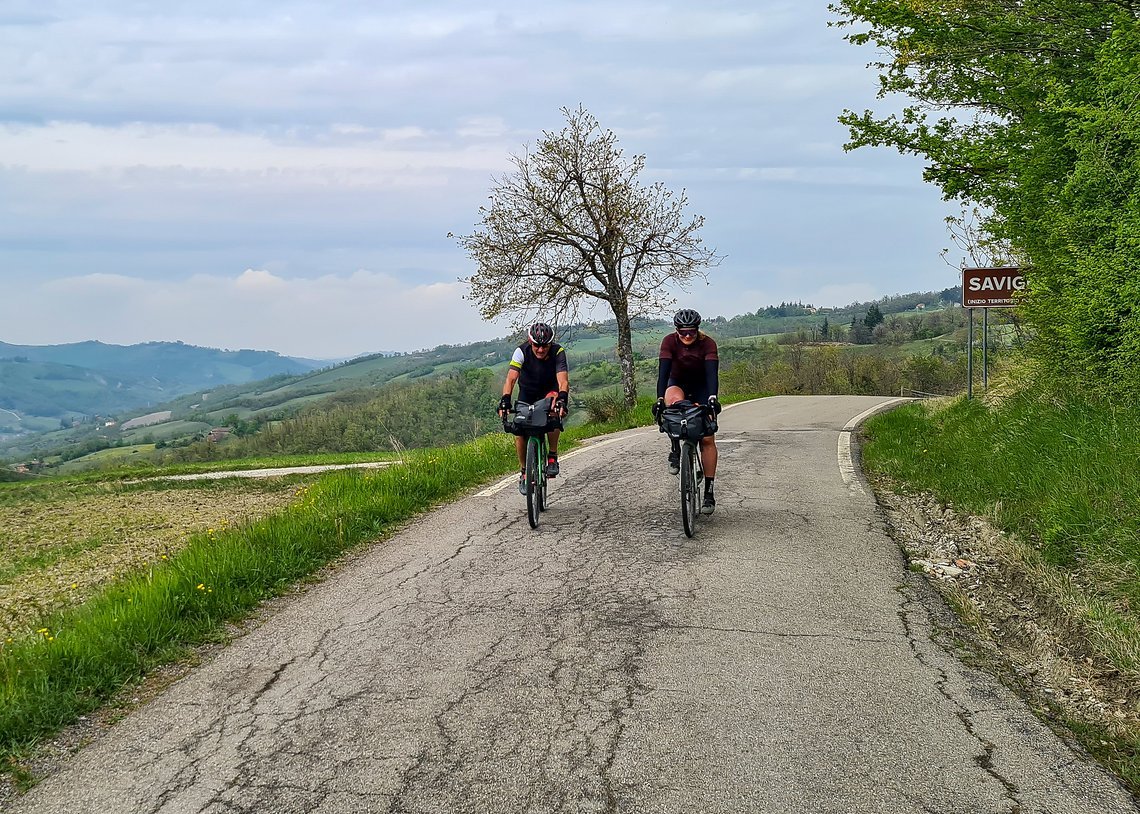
(534, 468)
(536, 452)
(691, 471)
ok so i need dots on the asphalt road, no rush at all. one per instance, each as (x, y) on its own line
(781, 661)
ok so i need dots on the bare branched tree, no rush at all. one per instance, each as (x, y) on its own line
(573, 227)
(972, 233)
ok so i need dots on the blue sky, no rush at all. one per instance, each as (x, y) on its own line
(284, 175)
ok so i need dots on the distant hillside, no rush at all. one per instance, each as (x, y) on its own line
(213, 400)
(44, 385)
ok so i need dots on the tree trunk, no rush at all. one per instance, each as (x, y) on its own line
(625, 356)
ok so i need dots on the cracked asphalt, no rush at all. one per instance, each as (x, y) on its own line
(783, 660)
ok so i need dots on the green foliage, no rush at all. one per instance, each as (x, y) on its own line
(834, 370)
(605, 407)
(421, 413)
(1063, 474)
(1049, 146)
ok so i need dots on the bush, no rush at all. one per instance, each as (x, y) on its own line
(605, 407)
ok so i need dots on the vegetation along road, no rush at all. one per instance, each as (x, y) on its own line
(785, 659)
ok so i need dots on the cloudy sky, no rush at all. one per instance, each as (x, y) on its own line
(283, 175)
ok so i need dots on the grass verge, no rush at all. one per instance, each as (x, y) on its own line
(1061, 478)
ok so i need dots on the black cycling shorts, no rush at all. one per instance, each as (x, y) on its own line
(534, 396)
(698, 394)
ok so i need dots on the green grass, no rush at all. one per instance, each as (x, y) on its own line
(42, 559)
(108, 458)
(1065, 475)
(749, 341)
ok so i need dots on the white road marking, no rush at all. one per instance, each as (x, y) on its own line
(269, 473)
(846, 460)
(512, 479)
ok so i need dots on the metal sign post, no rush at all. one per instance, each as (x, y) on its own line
(970, 354)
(985, 350)
(987, 288)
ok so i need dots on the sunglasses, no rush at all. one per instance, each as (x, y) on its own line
(539, 347)
(686, 332)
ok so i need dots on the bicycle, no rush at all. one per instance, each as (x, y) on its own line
(534, 421)
(688, 423)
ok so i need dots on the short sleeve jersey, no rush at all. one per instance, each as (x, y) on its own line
(537, 377)
(688, 360)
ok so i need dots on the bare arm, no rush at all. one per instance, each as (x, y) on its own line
(509, 384)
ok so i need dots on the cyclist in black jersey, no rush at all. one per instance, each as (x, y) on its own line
(688, 369)
(539, 367)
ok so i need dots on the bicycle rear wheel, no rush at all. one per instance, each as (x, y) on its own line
(533, 493)
(690, 490)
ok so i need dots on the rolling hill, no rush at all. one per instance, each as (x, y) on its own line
(219, 388)
(44, 386)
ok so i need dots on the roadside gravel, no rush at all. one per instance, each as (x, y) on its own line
(1026, 620)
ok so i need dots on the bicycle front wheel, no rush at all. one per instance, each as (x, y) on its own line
(543, 454)
(533, 490)
(690, 490)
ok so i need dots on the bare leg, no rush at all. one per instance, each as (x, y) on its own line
(520, 448)
(552, 440)
(708, 456)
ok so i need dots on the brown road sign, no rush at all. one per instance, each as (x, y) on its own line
(991, 287)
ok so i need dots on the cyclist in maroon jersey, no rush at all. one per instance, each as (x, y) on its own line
(688, 368)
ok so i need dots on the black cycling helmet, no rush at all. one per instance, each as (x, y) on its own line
(687, 318)
(540, 334)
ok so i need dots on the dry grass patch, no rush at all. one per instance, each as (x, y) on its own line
(62, 543)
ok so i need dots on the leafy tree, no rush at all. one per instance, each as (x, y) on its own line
(874, 316)
(574, 225)
(1028, 109)
(860, 334)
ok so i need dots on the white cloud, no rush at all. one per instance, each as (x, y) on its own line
(62, 146)
(150, 154)
(325, 317)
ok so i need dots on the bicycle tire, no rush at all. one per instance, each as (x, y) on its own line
(689, 490)
(543, 451)
(532, 486)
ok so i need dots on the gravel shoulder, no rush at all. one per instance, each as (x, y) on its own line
(1023, 622)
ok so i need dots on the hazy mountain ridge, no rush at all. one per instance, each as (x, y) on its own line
(45, 384)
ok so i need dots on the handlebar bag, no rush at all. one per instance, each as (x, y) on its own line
(533, 415)
(685, 420)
